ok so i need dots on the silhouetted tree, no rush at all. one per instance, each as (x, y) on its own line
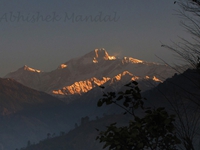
(48, 135)
(28, 143)
(188, 116)
(62, 133)
(76, 125)
(84, 120)
(155, 130)
(53, 135)
(189, 50)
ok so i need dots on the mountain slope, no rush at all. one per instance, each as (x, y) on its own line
(184, 87)
(82, 137)
(29, 114)
(15, 97)
(180, 95)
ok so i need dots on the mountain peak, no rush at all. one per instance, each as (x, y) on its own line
(102, 53)
(99, 55)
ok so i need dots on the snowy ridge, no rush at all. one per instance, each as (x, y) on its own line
(132, 60)
(81, 86)
(85, 86)
(62, 66)
(31, 69)
(82, 74)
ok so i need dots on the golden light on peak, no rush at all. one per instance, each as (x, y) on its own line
(31, 69)
(134, 78)
(81, 86)
(132, 60)
(156, 79)
(95, 60)
(63, 66)
(111, 57)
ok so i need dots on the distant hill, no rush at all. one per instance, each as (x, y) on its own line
(82, 137)
(27, 114)
(15, 97)
(183, 87)
(180, 95)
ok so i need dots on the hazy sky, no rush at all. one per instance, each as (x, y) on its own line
(45, 33)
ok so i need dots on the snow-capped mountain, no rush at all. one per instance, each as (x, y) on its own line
(80, 75)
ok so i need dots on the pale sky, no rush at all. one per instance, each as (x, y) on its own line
(45, 33)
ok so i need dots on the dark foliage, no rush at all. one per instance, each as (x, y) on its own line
(153, 130)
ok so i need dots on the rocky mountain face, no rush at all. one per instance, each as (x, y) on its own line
(80, 75)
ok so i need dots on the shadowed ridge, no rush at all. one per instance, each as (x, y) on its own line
(15, 97)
